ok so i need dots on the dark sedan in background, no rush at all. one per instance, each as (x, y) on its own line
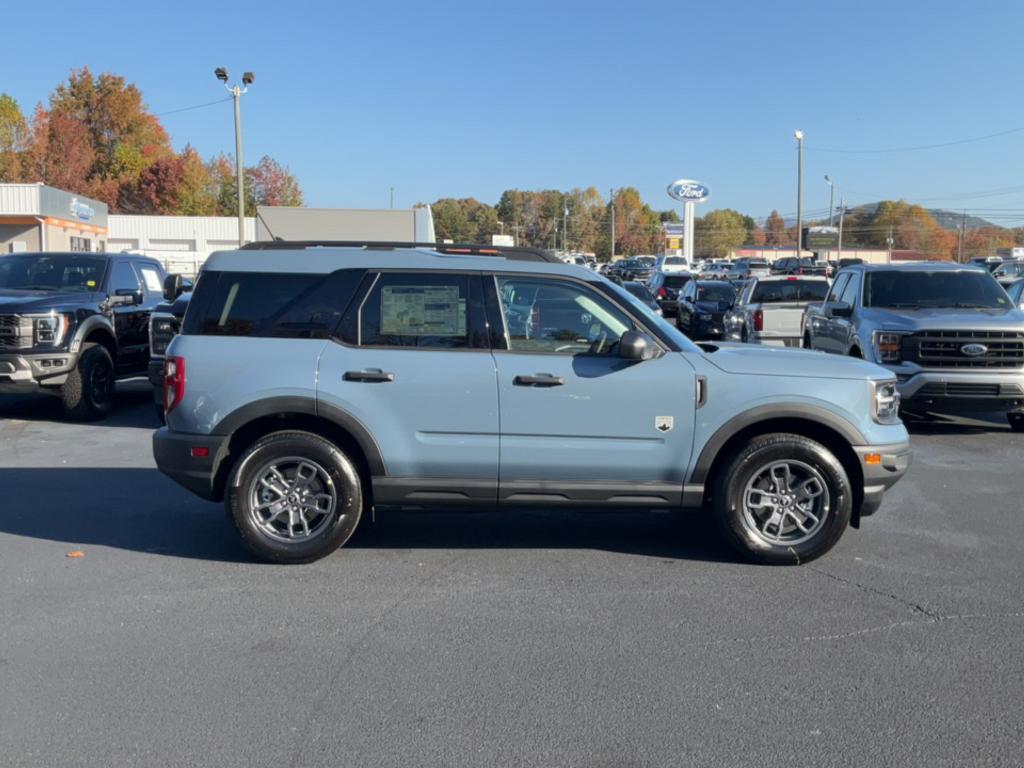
(702, 306)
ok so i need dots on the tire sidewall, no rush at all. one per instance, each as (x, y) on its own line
(343, 475)
(80, 400)
(733, 481)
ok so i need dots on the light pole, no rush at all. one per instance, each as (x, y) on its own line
(831, 198)
(799, 136)
(236, 92)
(842, 213)
(611, 196)
(392, 197)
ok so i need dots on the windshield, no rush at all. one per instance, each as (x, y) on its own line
(716, 293)
(780, 291)
(958, 289)
(676, 281)
(648, 315)
(51, 272)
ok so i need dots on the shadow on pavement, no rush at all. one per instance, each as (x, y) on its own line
(976, 424)
(142, 511)
(133, 407)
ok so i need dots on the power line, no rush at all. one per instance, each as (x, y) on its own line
(917, 148)
(194, 106)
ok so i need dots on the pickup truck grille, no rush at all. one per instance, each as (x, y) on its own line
(15, 333)
(945, 349)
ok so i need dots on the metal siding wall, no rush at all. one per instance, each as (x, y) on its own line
(19, 199)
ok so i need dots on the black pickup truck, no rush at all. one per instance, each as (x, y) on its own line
(72, 324)
(164, 325)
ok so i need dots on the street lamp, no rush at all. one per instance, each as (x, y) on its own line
(831, 198)
(236, 91)
(799, 136)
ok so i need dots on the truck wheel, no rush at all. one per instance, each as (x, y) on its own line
(1016, 421)
(294, 497)
(782, 499)
(88, 393)
(807, 341)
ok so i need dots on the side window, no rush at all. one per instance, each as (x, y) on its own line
(554, 316)
(837, 287)
(151, 278)
(425, 311)
(849, 294)
(123, 277)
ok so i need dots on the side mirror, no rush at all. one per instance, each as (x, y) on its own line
(174, 286)
(130, 295)
(637, 346)
(839, 309)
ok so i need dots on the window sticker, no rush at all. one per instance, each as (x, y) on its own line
(412, 310)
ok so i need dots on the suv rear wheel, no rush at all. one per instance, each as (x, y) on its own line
(783, 500)
(88, 392)
(294, 497)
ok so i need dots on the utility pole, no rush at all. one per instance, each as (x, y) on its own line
(842, 212)
(392, 197)
(565, 227)
(236, 92)
(889, 242)
(799, 136)
(831, 199)
(611, 208)
(960, 245)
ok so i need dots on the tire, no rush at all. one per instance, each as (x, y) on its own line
(88, 393)
(743, 336)
(807, 341)
(1016, 421)
(747, 501)
(319, 522)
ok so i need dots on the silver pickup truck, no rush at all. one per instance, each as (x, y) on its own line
(949, 332)
(770, 310)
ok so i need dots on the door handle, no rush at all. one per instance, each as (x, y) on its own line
(378, 377)
(540, 380)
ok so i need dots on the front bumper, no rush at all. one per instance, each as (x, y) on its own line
(888, 464)
(26, 373)
(173, 452)
(961, 391)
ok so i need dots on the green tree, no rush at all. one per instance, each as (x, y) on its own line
(718, 233)
(13, 135)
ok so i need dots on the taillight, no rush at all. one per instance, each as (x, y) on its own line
(758, 320)
(662, 293)
(174, 382)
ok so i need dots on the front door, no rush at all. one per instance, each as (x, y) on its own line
(579, 422)
(418, 374)
(130, 320)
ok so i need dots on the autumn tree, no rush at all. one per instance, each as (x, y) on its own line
(13, 135)
(775, 231)
(59, 152)
(273, 184)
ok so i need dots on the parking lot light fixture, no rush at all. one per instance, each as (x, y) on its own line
(236, 91)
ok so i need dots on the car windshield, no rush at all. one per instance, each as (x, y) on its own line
(953, 289)
(676, 281)
(716, 293)
(51, 272)
(780, 291)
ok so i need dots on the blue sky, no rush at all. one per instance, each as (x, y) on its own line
(468, 99)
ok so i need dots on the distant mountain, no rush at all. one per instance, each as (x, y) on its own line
(946, 219)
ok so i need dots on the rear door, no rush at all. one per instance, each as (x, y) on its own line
(578, 422)
(413, 365)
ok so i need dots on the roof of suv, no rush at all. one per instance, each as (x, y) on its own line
(918, 266)
(325, 259)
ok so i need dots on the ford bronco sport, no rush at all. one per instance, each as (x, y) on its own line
(307, 388)
(73, 323)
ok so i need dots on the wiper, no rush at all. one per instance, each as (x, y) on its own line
(39, 288)
(902, 305)
(966, 305)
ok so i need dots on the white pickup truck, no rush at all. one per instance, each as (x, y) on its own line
(770, 310)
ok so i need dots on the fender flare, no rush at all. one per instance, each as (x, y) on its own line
(306, 406)
(713, 447)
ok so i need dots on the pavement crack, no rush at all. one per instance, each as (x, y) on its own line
(915, 607)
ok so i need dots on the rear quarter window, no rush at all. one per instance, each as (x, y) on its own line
(272, 305)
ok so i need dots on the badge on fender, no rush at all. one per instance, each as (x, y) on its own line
(664, 423)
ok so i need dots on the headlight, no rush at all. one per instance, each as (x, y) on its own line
(162, 329)
(886, 402)
(48, 330)
(888, 346)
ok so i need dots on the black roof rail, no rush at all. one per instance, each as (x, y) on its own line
(514, 253)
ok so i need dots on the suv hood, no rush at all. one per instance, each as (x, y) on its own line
(756, 360)
(940, 319)
(26, 302)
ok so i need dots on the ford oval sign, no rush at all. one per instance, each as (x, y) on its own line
(688, 191)
(974, 350)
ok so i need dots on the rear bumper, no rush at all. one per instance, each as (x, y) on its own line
(882, 473)
(173, 454)
(776, 341)
(962, 391)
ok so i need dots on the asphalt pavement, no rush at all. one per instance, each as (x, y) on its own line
(457, 639)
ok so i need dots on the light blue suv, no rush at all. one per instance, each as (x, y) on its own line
(311, 384)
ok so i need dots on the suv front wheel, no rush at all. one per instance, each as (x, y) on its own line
(783, 499)
(294, 497)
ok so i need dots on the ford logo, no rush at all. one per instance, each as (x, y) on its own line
(688, 191)
(973, 350)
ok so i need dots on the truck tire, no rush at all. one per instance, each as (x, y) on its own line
(88, 393)
(782, 499)
(807, 341)
(294, 497)
(1016, 421)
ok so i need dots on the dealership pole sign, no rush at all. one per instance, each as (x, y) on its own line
(689, 192)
